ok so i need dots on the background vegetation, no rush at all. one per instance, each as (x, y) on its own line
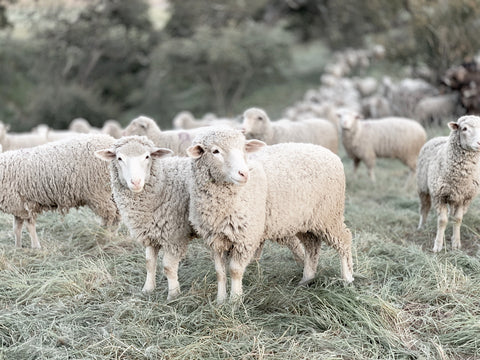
(115, 59)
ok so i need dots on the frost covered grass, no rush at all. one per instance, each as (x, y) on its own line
(79, 297)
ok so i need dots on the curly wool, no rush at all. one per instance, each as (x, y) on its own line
(58, 175)
(10, 141)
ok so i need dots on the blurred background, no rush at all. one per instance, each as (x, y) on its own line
(116, 59)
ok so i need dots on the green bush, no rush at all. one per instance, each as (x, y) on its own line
(215, 68)
(57, 105)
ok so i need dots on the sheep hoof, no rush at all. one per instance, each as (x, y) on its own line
(305, 282)
(174, 294)
(147, 289)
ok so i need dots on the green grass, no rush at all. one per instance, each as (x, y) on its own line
(80, 296)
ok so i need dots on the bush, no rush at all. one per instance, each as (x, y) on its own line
(57, 105)
(215, 68)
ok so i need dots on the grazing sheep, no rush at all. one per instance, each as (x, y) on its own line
(285, 191)
(176, 140)
(257, 125)
(152, 197)
(113, 128)
(15, 141)
(448, 176)
(392, 137)
(58, 175)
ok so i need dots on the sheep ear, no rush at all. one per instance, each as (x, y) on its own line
(195, 151)
(158, 153)
(253, 145)
(105, 154)
(453, 125)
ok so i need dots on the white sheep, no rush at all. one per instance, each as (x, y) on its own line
(176, 140)
(257, 125)
(285, 191)
(435, 109)
(392, 137)
(15, 141)
(80, 125)
(113, 128)
(152, 197)
(58, 175)
(448, 176)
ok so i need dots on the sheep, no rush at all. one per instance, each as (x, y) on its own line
(185, 120)
(152, 196)
(376, 106)
(15, 141)
(434, 109)
(176, 140)
(390, 137)
(80, 125)
(58, 175)
(448, 176)
(257, 125)
(284, 192)
(113, 128)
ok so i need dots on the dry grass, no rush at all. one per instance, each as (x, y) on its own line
(79, 297)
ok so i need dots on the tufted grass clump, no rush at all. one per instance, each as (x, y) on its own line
(79, 297)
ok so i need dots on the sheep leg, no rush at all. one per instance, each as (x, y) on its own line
(312, 246)
(258, 252)
(237, 268)
(425, 204)
(220, 260)
(170, 269)
(442, 219)
(151, 254)
(457, 222)
(370, 163)
(33, 233)
(296, 247)
(356, 164)
(17, 231)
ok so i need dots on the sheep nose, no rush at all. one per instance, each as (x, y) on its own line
(243, 174)
(243, 130)
(136, 182)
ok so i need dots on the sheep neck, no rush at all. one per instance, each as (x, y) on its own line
(460, 162)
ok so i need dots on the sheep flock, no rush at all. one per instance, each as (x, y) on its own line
(239, 181)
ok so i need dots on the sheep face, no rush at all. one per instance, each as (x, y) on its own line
(132, 163)
(468, 131)
(226, 159)
(347, 119)
(140, 126)
(255, 123)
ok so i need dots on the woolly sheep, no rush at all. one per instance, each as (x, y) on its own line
(257, 125)
(391, 137)
(80, 125)
(152, 198)
(58, 175)
(448, 176)
(285, 191)
(434, 109)
(176, 140)
(15, 141)
(113, 128)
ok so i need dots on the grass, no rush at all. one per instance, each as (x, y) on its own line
(80, 296)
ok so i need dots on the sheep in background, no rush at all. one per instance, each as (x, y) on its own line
(432, 110)
(257, 125)
(448, 176)
(58, 175)
(113, 128)
(376, 106)
(185, 120)
(15, 141)
(152, 197)
(176, 140)
(285, 191)
(392, 137)
(80, 125)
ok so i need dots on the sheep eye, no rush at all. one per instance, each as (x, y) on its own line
(119, 159)
(260, 118)
(147, 157)
(215, 151)
(464, 129)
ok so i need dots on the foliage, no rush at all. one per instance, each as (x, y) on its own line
(217, 67)
(4, 22)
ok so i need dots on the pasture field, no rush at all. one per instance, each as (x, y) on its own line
(79, 297)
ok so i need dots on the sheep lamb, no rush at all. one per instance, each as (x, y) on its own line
(152, 197)
(391, 137)
(58, 175)
(257, 125)
(283, 192)
(448, 176)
